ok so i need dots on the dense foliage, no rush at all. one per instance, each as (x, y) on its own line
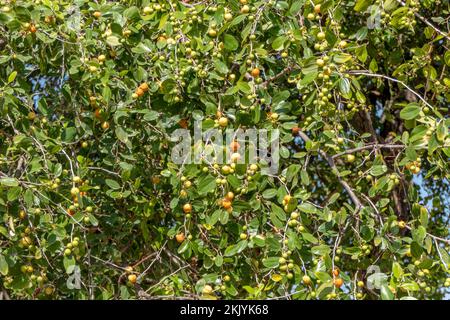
(91, 92)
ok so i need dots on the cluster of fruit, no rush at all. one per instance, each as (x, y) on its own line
(140, 91)
(414, 167)
(226, 202)
(72, 247)
(30, 27)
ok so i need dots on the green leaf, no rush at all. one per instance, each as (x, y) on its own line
(271, 262)
(235, 249)
(397, 270)
(386, 293)
(121, 134)
(206, 184)
(344, 86)
(112, 184)
(113, 41)
(12, 76)
(9, 182)
(269, 193)
(278, 43)
(321, 250)
(441, 131)
(309, 237)
(307, 208)
(69, 133)
(378, 170)
(341, 58)
(69, 263)
(4, 268)
(410, 112)
(362, 5)
(221, 67)
(230, 42)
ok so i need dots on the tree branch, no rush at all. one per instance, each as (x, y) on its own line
(428, 23)
(344, 183)
(368, 147)
(369, 74)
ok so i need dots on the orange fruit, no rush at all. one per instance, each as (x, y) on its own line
(336, 272)
(226, 204)
(338, 282)
(140, 92)
(183, 123)
(295, 131)
(187, 208)
(255, 73)
(98, 113)
(180, 237)
(234, 146)
(144, 86)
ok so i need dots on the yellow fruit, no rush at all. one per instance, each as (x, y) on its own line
(321, 35)
(223, 122)
(350, 158)
(76, 179)
(22, 214)
(48, 291)
(26, 241)
(317, 8)
(287, 198)
(235, 157)
(230, 196)
(343, 44)
(105, 125)
(226, 169)
(97, 14)
(74, 191)
(129, 269)
(187, 184)
(207, 289)
(245, 9)
(132, 278)
(101, 58)
(306, 280)
(212, 33)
